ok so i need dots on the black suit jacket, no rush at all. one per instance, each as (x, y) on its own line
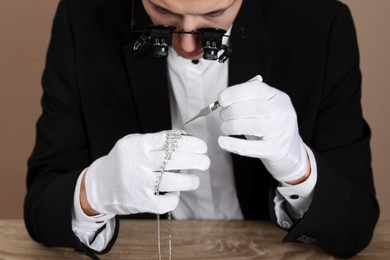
(97, 90)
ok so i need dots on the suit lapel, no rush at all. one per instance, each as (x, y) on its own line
(250, 56)
(149, 83)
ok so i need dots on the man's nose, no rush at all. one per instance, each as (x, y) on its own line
(189, 42)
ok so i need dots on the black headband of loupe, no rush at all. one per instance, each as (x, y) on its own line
(160, 38)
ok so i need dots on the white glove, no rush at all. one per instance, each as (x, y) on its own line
(268, 119)
(124, 181)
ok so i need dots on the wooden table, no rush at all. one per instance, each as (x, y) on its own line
(191, 240)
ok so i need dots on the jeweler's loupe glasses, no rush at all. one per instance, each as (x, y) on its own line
(160, 38)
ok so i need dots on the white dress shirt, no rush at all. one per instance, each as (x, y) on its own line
(192, 87)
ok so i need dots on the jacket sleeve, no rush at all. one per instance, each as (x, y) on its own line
(344, 210)
(61, 150)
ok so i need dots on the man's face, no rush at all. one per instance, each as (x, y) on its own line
(190, 15)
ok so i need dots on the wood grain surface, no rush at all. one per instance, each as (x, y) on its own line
(191, 240)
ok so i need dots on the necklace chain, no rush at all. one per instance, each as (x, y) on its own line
(171, 144)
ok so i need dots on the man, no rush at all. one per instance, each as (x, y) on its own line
(289, 146)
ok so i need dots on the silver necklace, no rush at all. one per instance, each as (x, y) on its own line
(171, 144)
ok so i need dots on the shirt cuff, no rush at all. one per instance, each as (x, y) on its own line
(93, 231)
(300, 196)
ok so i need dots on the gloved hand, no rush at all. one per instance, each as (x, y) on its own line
(124, 181)
(268, 119)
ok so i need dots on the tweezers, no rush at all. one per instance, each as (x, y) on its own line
(205, 111)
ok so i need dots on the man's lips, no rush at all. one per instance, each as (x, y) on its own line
(189, 55)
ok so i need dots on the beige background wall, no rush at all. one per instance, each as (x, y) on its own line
(24, 33)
